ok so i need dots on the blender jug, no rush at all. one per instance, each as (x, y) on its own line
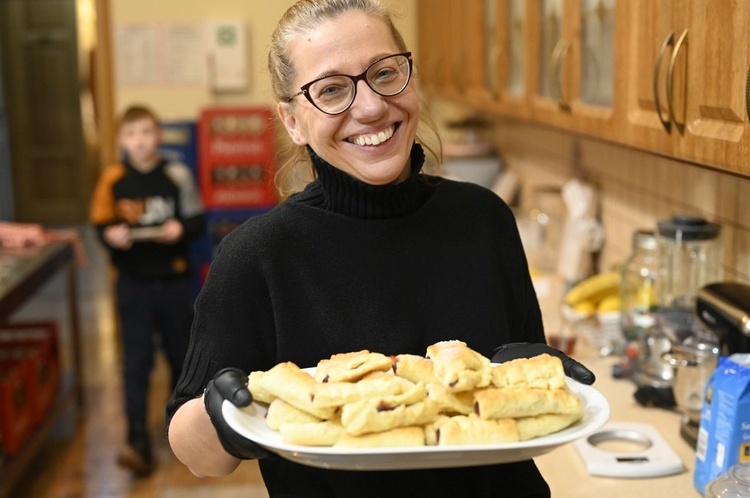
(689, 258)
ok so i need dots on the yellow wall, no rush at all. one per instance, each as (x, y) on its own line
(260, 18)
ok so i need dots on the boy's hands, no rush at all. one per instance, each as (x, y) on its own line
(118, 236)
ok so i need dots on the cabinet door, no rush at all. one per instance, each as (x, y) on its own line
(574, 54)
(508, 60)
(715, 112)
(653, 28)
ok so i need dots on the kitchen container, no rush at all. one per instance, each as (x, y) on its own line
(734, 483)
(638, 287)
(689, 258)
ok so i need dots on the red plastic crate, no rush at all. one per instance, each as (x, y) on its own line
(16, 403)
(237, 152)
(38, 342)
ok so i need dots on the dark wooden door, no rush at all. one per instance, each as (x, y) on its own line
(42, 95)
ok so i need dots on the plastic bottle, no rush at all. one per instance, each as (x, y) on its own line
(734, 483)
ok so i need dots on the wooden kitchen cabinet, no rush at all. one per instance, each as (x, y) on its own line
(687, 70)
(669, 77)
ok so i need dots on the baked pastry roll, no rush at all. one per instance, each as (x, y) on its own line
(515, 403)
(460, 430)
(541, 425)
(458, 367)
(350, 367)
(340, 393)
(540, 372)
(288, 382)
(253, 385)
(400, 436)
(324, 433)
(279, 412)
(451, 403)
(431, 430)
(414, 368)
(388, 412)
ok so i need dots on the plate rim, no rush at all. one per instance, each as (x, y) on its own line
(340, 458)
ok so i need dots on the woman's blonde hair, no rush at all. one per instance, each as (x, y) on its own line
(295, 169)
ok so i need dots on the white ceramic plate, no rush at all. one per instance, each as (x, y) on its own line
(250, 423)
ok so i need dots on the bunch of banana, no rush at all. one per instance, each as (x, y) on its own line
(599, 293)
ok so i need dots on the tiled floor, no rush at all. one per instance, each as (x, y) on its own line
(78, 459)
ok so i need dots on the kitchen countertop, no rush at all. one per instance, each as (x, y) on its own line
(565, 472)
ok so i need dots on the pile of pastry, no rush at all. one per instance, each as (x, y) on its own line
(451, 396)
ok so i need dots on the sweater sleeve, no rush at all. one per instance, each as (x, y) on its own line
(233, 325)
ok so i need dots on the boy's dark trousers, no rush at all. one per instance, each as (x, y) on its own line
(146, 309)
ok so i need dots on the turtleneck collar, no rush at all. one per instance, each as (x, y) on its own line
(337, 191)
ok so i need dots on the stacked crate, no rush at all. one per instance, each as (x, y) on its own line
(29, 379)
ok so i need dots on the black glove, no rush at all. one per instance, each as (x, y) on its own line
(572, 368)
(231, 383)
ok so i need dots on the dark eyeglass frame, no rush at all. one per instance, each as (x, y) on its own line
(305, 89)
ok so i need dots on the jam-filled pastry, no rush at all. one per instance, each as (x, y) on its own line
(540, 372)
(388, 412)
(324, 433)
(414, 368)
(350, 367)
(431, 429)
(400, 436)
(541, 425)
(280, 411)
(253, 385)
(373, 384)
(460, 430)
(451, 403)
(288, 382)
(514, 403)
(458, 367)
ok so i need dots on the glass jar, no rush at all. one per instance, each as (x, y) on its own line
(689, 258)
(638, 287)
(734, 483)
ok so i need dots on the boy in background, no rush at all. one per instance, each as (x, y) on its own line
(146, 210)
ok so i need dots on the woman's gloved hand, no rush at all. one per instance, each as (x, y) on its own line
(231, 383)
(572, 368)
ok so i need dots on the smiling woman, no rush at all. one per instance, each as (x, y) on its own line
(372, 255)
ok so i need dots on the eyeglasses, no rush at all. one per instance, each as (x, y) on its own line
(335, 93)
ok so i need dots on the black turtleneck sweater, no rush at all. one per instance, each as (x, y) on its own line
(345, 266)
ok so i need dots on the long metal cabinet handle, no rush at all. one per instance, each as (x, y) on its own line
(668, 41)
(747, 94)
(495, 53)
(670, 104)
(561, 48)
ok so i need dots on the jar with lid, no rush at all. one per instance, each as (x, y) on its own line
(689, 258)
(638, 286)
(734, 483)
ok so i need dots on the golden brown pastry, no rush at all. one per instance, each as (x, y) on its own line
(324, 433)
(431, 430)
(541, 425)
(388, 412)
(540, 372)
(280, 411)
(458, 367)
(253, 385)
(400, 436)
(350, 367)
(414, 368)
(374, 384)
(288, 382)
(451, 403)
(514, 403)
(471, 429)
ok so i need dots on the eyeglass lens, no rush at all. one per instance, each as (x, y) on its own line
(386, 77)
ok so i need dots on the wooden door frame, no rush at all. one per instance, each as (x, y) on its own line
(103, 87)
